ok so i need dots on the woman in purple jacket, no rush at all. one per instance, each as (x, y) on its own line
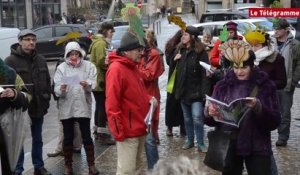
(253, 137)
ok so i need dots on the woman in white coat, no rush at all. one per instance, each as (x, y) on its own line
(74, 80)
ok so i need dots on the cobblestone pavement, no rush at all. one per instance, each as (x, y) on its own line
(287, 157)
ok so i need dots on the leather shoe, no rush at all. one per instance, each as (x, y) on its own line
(281, 143)
(106, 139)
(188, 145)
(55, 153)
(41, 171)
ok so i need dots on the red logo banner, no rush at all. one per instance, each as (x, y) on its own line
(275, 12)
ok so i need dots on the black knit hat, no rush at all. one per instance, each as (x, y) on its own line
(129, 42)
(192, 30)
(281, 24)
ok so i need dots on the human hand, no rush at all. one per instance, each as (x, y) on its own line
(153, 100)
(63, 88)
(252, 102)
(177, 57)
(212, 110)
(8, 93)
(83, 84)
(106, 60)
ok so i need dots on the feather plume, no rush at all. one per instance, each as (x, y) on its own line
(178, 21)
(132, 14)
(68, 36)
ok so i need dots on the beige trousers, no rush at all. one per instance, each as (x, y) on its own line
(130, 153)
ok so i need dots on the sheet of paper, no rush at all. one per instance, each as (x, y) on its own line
(1, 89)
(70, 80)
(206, 66)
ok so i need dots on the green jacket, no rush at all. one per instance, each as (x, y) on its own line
(98, 55)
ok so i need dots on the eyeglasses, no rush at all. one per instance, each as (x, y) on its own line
(29, 39)
(141, 49)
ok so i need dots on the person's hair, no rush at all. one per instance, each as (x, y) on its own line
(208, 31)
(267, 41)
(196, 45)
(151, 39)
(106, 26)
(176, 166)
(172, 42)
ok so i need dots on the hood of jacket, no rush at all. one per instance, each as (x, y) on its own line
(113, 57)
(73, 46)
(266, 53)
(17, 51)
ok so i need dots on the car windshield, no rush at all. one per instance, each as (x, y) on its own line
(243, 27)
(266, 25)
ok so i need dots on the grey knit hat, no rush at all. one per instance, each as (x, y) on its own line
(129, 42)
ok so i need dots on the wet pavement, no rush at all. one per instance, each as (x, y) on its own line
(106, 158)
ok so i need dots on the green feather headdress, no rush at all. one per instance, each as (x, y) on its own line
(132, 14)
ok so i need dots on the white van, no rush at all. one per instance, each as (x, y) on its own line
(8, 36)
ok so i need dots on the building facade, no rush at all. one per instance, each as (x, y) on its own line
(33, 13)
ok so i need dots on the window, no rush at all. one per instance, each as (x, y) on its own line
(13, 13)
(238, 17)
(222, 17)
(62, 31)
(208, 18)
(44, 33)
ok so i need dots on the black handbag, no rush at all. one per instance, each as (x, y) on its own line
(221, 150)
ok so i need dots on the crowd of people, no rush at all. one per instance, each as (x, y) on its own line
(124, 82)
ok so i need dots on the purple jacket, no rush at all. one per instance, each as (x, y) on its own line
(254, 134)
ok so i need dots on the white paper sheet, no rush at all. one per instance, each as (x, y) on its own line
(1, 89)
(206, 66)
(70, 80)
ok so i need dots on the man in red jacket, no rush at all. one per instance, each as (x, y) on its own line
(215, 52)
(127, 104)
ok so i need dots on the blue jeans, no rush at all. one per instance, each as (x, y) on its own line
(286, 103)
(273, 166)
(151, 150)
(37, 146)
(193, 121)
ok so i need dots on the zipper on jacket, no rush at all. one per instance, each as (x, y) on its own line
(130, 117)
(115, 121)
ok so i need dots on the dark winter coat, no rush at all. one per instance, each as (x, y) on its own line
(192, 83)
(174, 115)
(271, 62)
(254, 136)
(33, 70)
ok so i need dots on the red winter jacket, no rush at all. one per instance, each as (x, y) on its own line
(150, 70)
(127, 101)
(215, 54)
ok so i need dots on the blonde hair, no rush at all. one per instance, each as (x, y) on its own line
(150, 37)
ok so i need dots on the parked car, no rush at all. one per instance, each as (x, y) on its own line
(94, 27)
(266, 24)
(119, 32)
(8, 36)
(222, 16)
(48, 35)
